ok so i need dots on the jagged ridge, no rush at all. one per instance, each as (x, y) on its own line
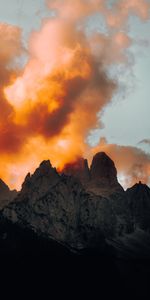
(81, 209)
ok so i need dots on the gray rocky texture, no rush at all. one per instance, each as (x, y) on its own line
(60, 207)
(100, 178)
(103, 176)
(63, 207)
(138, 198)
(78, 169)
(38, 184)
(136, 243)
(6, 195)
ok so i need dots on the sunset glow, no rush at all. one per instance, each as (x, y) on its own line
(49, 106)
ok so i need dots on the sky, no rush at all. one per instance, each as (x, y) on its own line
(132, 113)
(127, 121)
(124, 119)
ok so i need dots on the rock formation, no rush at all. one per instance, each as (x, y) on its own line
(62, 208)
(78, 169)
(100, 178)
(83, 208)
(103, 176)
(6, 195)
(139, 204)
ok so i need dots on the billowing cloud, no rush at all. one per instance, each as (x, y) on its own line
(122, 9)
(10, 48)
(49, 107)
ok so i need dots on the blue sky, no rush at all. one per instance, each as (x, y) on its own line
(126, 119)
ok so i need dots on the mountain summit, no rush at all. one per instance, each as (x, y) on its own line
(103, 169)
(100, 178)
(103, 176)
(81, 209)
(38, 184)
(139, 203)
(72, 208)
(78, 169)
(6, 195)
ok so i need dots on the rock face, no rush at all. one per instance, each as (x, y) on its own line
(100, 179)
(103, 170)
(137, 243)
(6, 195)
(48, 203)
(139, 203)
(60, 207)
(18, 240)
(103, 176)
(79, 169)
(82, 208)
(38, 184)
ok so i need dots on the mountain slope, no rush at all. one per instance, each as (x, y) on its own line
(82, 210)
(103, 176)
(60, 207)
(6, 195)
(139, 205)
(100, 178)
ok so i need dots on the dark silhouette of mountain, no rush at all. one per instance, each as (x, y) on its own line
(19, 240)
(100, 178)
(103, 169)
(79, 169)
(61, 207)
(139, 204)
(103, 176)
(6, 195)
(85, 210)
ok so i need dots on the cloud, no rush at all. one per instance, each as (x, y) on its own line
(10, 48)
(118, 15)
(145, 141)
(51, 104)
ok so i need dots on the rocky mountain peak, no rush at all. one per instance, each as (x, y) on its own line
(3, 187)
(6, 195)
(100, 179)
(78, 169)
(45, 166)
(103, 176)
(103, 169)
(80, 216)
(139, 201)
(139, 189)
(38, 184)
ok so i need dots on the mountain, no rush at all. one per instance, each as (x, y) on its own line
(84, 212)
(103, 176)
(21, 241)
(61, 207)
(78, 169)
(86, 208)
(139, 205)
(100, 178)
(136, 244)
(6, 195)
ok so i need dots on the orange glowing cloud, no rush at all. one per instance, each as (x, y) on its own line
(50, 106)
(122, 9)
